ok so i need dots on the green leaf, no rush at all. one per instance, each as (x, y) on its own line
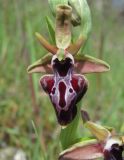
(43, 154)
(32, 51)
(51, 29)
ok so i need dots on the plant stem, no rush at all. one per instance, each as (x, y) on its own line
(69, 135)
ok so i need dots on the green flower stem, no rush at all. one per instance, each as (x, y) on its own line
(69, 135)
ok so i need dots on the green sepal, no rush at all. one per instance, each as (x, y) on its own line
(111, 129)
(41, 65)
(51, 29)
(101, 133)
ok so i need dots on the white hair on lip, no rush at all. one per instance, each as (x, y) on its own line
(110, 142)
(53, 58)
(70, 56)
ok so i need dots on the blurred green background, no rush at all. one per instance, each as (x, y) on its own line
(27, 118)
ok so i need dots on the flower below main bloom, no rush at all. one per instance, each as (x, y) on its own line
(106, 144)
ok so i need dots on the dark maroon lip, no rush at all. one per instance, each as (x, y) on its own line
(64, 95)
(115, 153)
(65, 89)
(62, 101)
(62, 67)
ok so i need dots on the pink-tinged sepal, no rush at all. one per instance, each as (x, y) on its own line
(86, 150)
(42, 65)
(88, 64)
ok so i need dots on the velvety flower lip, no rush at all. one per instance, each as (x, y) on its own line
(64, 88)
(115, 153)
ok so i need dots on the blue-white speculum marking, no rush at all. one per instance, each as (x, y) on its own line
(65, 88)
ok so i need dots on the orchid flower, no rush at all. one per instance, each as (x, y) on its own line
(107, 144)
(64, 68)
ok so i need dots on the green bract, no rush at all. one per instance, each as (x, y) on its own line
(81, 15)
